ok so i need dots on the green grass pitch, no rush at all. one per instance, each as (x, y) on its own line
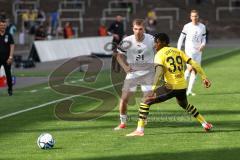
(170, 134)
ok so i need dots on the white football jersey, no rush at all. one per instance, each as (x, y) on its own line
(195, 37)
(139, 55)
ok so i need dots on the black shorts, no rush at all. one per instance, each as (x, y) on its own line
(163, 94)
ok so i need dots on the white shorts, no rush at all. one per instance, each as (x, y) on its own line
(196, 57)
(142, 78)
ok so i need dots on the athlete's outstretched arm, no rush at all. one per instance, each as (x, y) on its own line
(158, 77)
(199, 69)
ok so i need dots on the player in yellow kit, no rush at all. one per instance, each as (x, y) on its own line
(169, 65)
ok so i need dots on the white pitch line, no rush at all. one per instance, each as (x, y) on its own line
(52, 102)
(33, 91)
(66, 98)
(73, 82)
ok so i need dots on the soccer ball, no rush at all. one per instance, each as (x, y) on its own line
(45, 141)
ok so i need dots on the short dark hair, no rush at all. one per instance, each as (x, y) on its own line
(162, 37)
(3, 18)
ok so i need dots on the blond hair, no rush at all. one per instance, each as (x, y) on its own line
(138, 22)
(194, 11)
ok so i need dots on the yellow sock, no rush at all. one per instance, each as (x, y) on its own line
(201, 119)
(143, 113)
(141, 123)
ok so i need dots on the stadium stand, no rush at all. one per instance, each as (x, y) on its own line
(221, 16)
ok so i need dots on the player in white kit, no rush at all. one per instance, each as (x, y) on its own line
(195, 34)
(136, 57)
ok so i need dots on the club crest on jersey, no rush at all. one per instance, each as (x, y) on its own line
(140, 51)
(6, 39)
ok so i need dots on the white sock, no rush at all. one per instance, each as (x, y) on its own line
(123, 118)
(186, 74)
(204, 124)
(140, 129)
(191, 82)
(141, 124)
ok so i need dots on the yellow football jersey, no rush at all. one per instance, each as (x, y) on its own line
(173, 62)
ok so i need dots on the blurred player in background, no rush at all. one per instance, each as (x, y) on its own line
(195, 34)
(6, 52)
(116, 29)
(169, 64)
(135, 55)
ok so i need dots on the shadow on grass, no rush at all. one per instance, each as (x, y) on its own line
(56, 148)
(80, 129)
(44, 115)
(220, 57)
(17, 123)
(208, 154)
(218, 125)
(170, 126)
(198, 131)
(221, 93)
